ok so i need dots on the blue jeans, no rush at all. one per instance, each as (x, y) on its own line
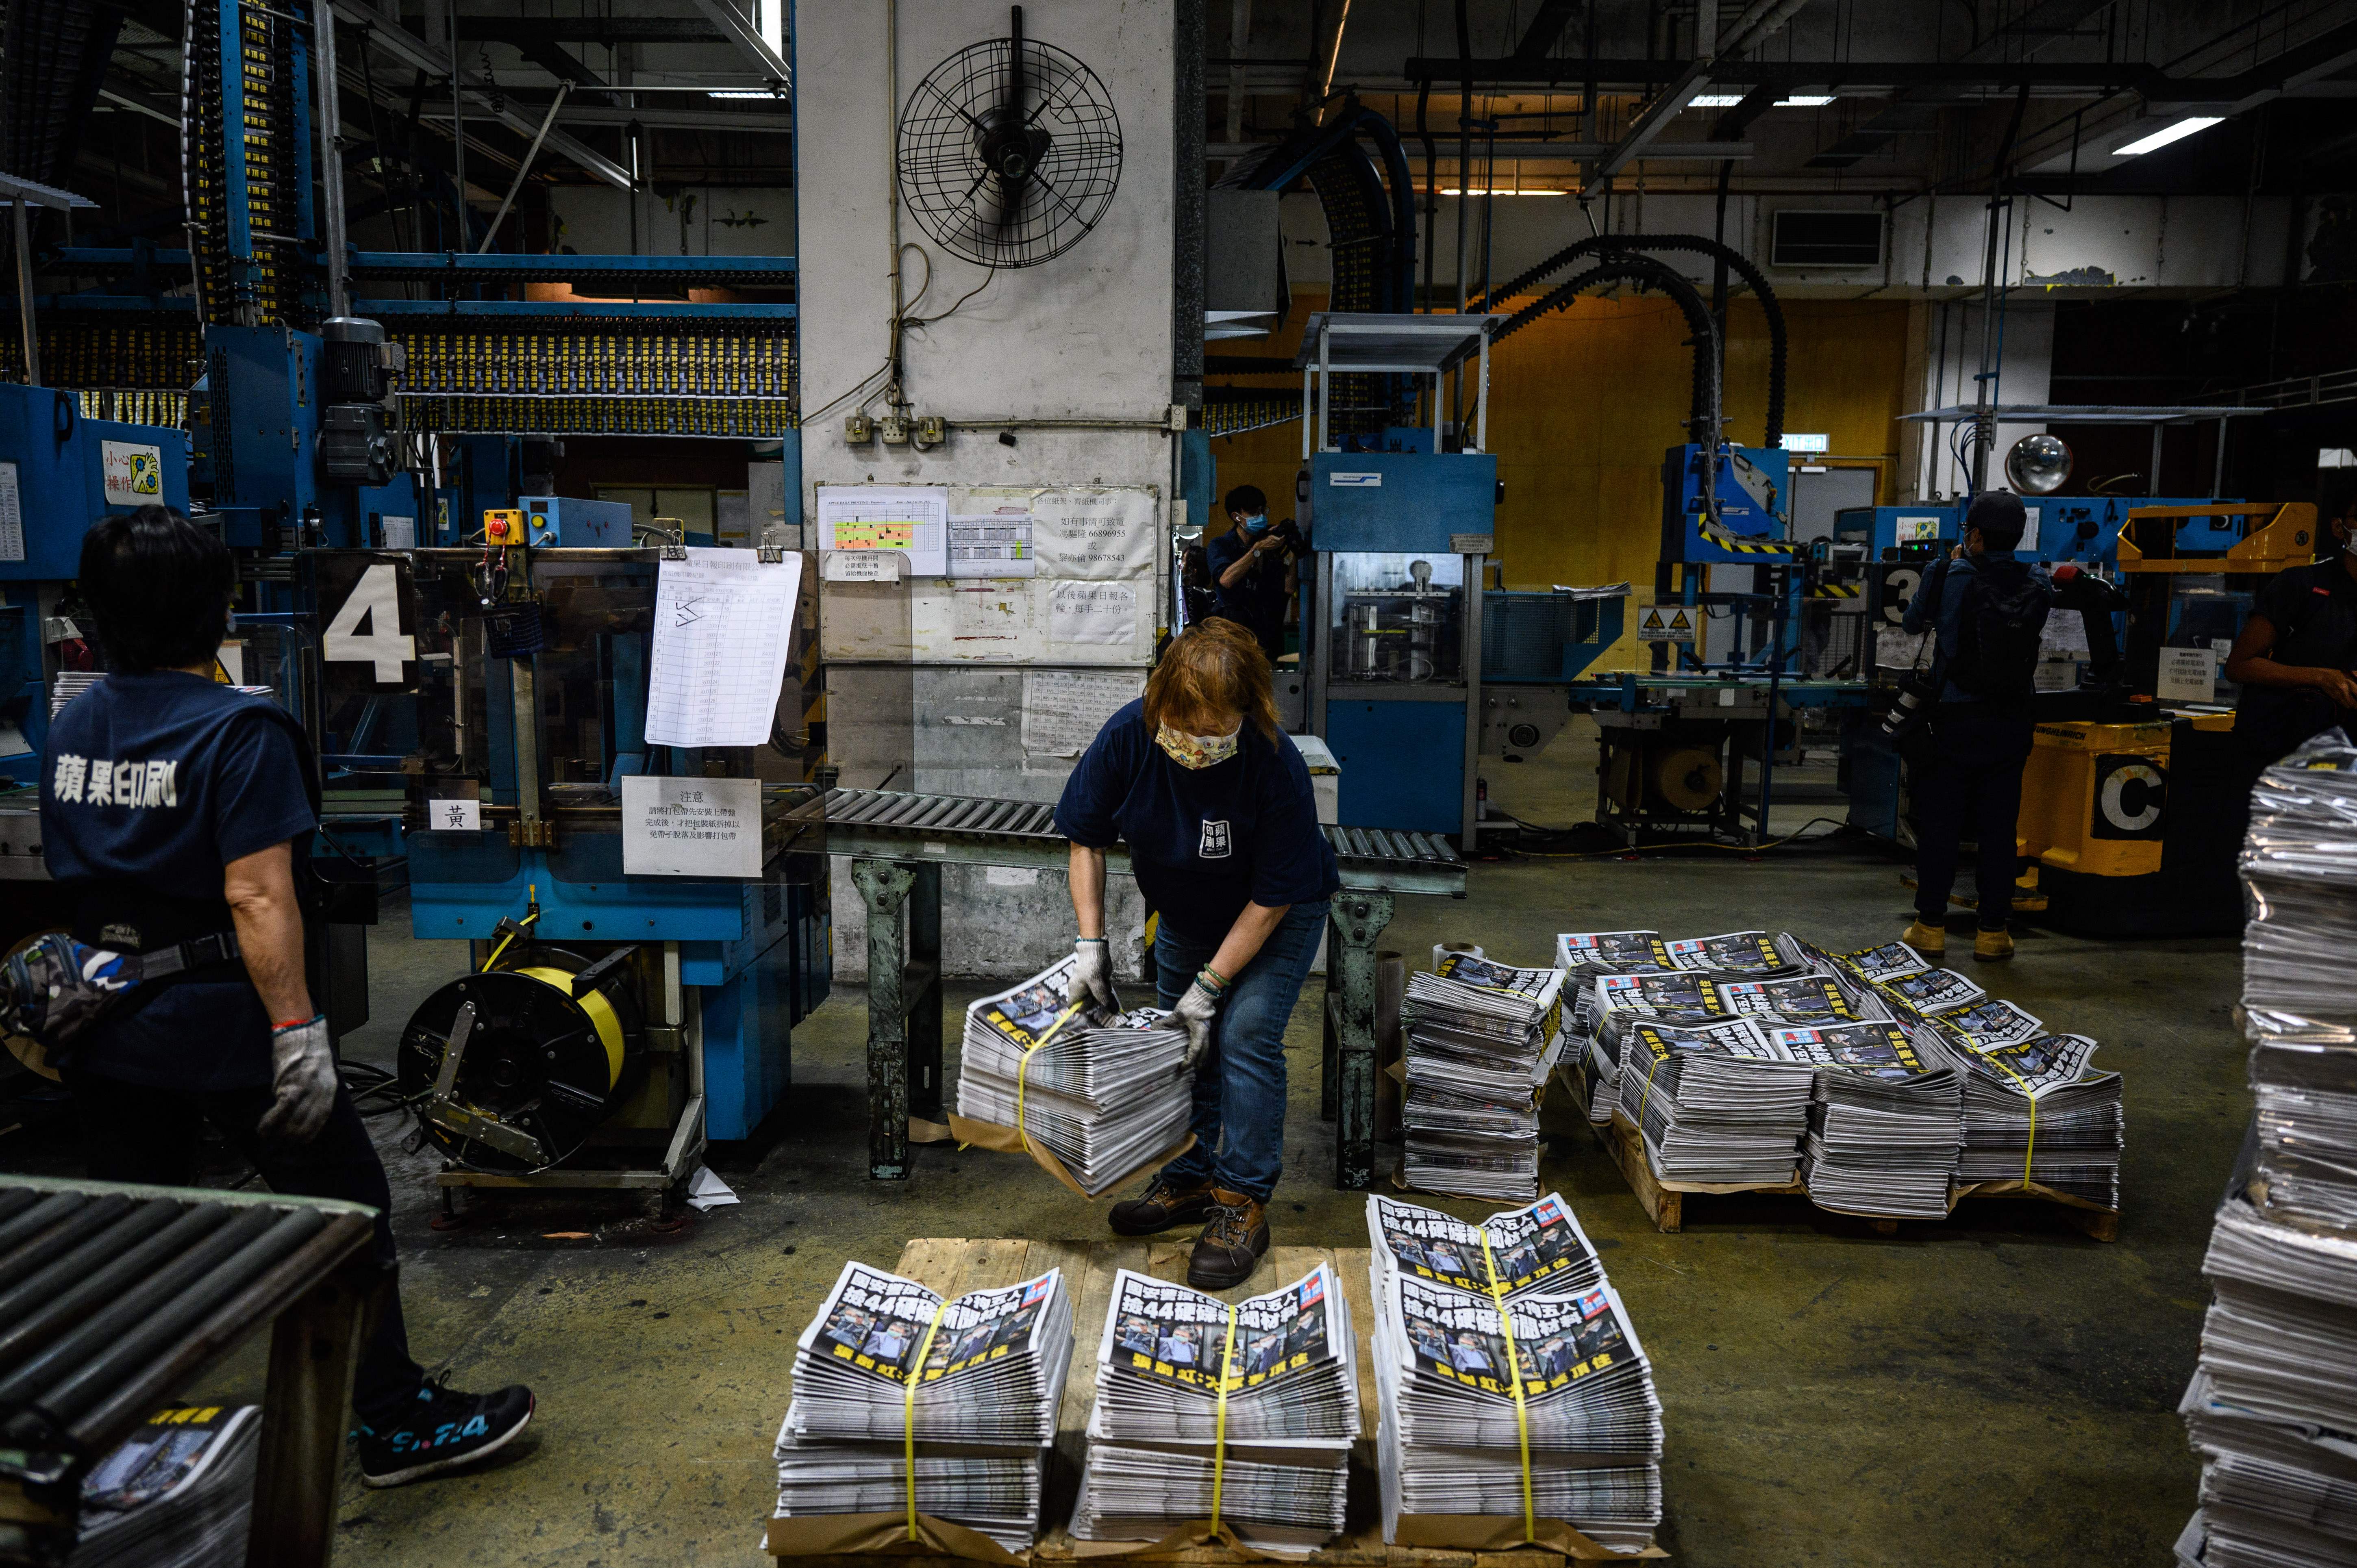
(1238, 1122)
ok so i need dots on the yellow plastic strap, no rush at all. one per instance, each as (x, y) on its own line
(2028, 1152)
(1220, 1432)
(1642, 1100)
(1514, 1372)
(909, 1413)
(1023, 1065)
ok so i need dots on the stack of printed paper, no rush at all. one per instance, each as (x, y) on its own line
(177, 1493)
(980, 1377)
(2035, 1110)
(1886, 1126)
(1478, 1040)
(1162, 1438)
(1716, 1102)
(1548, 1410)
(1104, 1095)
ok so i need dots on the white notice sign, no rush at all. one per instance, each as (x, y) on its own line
(455, 816)
(992, 544)
(1094, 612)
(2188, 675)
(400, 532)
(1091, 531)
(691, 827)
(860, 567)
(724, 626)
(1064, 709)
(913, 519)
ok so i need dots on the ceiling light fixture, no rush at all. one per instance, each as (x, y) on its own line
(743, 92)
(1805, 101)
(1452, 190)
(2165, 134)
(1714, 101)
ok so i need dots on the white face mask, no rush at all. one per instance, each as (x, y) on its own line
(1198, 750)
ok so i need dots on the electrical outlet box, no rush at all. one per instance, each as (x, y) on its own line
(894, 428)
(858, 430)
(503, 526)
(932, 430)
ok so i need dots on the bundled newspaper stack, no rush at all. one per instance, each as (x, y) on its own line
(1886, 1123)
(1272, 1447)
(177, 1493)
(1478, 1040)
(2272, 1407)
(1104, 1095)
(1716, 1101)
(1583, 956)
(2034, 1109)
(1543, 1410)
(974, 1381)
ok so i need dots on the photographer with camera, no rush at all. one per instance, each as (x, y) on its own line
(1251, 568)
(1990, 610)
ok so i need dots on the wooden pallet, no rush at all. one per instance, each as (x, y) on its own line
(953, 1267)
(1664, 1201)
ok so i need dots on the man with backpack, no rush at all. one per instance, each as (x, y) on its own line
(1990, 610)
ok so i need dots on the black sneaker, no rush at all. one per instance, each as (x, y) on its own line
(444, 1430)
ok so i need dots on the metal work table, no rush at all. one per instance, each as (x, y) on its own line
(899, 842)
(113, 1298)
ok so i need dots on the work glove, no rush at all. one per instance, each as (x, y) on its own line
(1093, 974)
(303, 1081)
(1193, 1013)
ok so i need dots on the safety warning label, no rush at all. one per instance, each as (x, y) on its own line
(1667, 623)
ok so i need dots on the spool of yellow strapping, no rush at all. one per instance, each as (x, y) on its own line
(1220, 1427)
(1513, 1371)
(908, 1412)
(1023, 1066)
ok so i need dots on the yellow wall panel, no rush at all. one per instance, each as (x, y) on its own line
(1586, 401)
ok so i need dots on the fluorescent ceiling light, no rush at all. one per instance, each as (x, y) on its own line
(1452, 190)
(1805, 101)
(1714, 101)
(743, 92)
(2165, 134)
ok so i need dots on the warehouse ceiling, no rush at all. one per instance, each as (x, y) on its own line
(1870, 97)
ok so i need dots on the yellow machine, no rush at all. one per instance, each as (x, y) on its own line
(2132, 815)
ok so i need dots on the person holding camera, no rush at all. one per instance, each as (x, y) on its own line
(1252, 569)
(1990, 610)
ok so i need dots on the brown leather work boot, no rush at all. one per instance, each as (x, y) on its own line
(1165, 1205)
(1231, 1246)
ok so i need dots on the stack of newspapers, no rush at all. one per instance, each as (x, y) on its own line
(1886, 1121)
(1478, 1040)
(989, 1370)
(177, 1493)
(1716, 1101)
(2034, 1109)
(1450, 1366)
(1276, 1449)
(1583, 956)
(1104, 1094)
(2271, 1409)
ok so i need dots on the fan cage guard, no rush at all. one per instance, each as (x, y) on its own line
(964, 204)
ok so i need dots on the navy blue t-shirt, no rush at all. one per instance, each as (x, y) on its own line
(152, 784)
(1204, 842)
(1258, 600)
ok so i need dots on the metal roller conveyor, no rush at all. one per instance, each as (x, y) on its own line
(966, 830)
(112, 1298)
(899, 841)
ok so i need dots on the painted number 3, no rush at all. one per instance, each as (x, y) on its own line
(376, 602)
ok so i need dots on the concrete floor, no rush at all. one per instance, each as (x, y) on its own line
(1996, 1389)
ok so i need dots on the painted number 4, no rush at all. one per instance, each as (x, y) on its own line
(375, 602)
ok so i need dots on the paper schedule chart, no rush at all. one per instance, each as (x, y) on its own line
(911, 518)
(724, 629)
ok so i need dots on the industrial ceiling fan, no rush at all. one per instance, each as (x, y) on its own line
(1009, 151)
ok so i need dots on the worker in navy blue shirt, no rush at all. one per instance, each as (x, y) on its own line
(1215, 805)
(1981, 726)
(175, 813)
(1252, 570)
